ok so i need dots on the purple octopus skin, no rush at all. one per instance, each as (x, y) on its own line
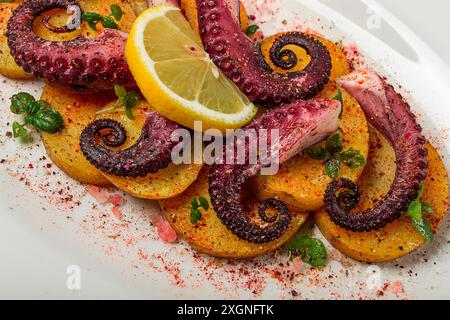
(387, 111)
(150, 153)
(242, 61)
(300, 125)
(89, 65)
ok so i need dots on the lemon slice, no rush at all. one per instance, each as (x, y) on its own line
(177, 77)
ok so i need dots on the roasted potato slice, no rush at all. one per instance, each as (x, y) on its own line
(302, 181)
(138, 6)
(8, 66)
(77, 110)
(210, 235)
(400, 237)
(165, 183)
(190, 11)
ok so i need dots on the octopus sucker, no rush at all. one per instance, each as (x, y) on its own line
(149, 154)
(242, 61)
(388, 112)
(299, 125)
(82, 63)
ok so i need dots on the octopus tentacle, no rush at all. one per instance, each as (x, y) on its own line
(391, 115)
(242, 61)
(92, 64)
(150, 153)
(297, 126)
(277, 204)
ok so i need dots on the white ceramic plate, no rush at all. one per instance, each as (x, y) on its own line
(44, 242)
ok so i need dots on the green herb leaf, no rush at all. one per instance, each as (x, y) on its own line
(251, 30)
(91, 17)
(120, 91)
(311, 250)
(194, 203)
(196, 216)
(204, 203)
(108, 22)
(339, 98)
(116, 11)
(20, 101)
(47, 120)
(332, 168)
(19, 130)
(35, 106)
(334, 143)
(427, 209)
(415, 209)
(352, 158)
(130, 101)
(318, 153)
(424, 228)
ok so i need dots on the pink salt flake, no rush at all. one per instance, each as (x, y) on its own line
(396, 287)
(99, 195)
(116, 200)
(335, 255)
(165, 230)
(297, 265)
(116, 212)
(257, 36)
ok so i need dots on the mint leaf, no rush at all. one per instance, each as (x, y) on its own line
(332, 168)
(251, 30)
(334, 143)
(339, 98)
(352, 158)
(109, 23)
(427, 209)
(120, 91)
(204, 203)
(318, 153)
(116, 11)
(19, 130)
(415, 210)
(20, 102)
(195, 217)
(311, 250)
(424, 228)
(194, 203)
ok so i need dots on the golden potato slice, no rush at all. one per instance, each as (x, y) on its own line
(8, 66)
(77, 110)
(400, 237)
(190, 11)
(210, 235)
(138, 6)
(302, 181)
(165, 183)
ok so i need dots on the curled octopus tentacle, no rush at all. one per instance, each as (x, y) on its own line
(150, 153)
(242, 61)
(289, 129)
(86, 64)
(391, 115)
